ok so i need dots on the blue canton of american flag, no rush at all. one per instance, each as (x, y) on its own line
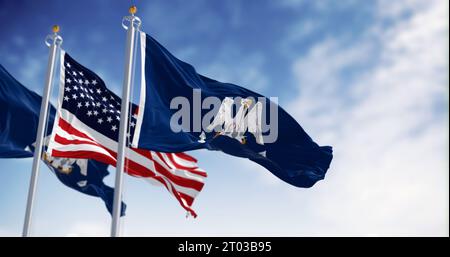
(87, 127)
(86, 96)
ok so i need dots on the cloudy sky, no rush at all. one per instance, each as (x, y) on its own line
(369, 78)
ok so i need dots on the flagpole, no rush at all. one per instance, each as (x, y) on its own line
(53, 41)
(132, 28)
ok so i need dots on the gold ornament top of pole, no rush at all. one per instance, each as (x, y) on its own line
(132, 10)
(55, 29)
(132, 19)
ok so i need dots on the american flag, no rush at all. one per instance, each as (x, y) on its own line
(87, 127)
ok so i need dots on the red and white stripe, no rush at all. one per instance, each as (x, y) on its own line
(178, 172)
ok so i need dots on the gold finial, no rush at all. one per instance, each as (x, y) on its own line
(55, 29)
(133, 9)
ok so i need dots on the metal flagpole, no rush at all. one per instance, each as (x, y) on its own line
(54, 41)
(132, 28)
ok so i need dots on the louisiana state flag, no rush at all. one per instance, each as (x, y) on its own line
(181, 110)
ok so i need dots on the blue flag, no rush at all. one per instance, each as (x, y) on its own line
(19, 117)
(175, 115)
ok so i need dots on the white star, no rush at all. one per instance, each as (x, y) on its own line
(68, 65)
(74, 96)
(111, 111)
(109, 119)
(135, 116)
(75, 87)
(117, 117)
(86, 82)
(104, 99)
(132, 124)
(110, 105)
(104, 110)
(80, 81)
(74, 73)
(66, 98)
(81, 73)
(67, 89)
(99, 91)
(100, 120)
(95, 113)
(90, 90)
(89, 113)
(82, 95)
(114, 128)
(97, 104)
(87, 104)
(79, 105)
(94, 82)
(68, 80)
(111, 97)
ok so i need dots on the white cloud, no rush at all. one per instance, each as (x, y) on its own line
(7, 233)
(323, 5)
(82, 229)
(32, 70)
(389, 175)
(248, 72)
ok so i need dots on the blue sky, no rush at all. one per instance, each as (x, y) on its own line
(369, 78)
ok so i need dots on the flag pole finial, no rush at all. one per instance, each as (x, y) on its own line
(55, 29)
(132, 10)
